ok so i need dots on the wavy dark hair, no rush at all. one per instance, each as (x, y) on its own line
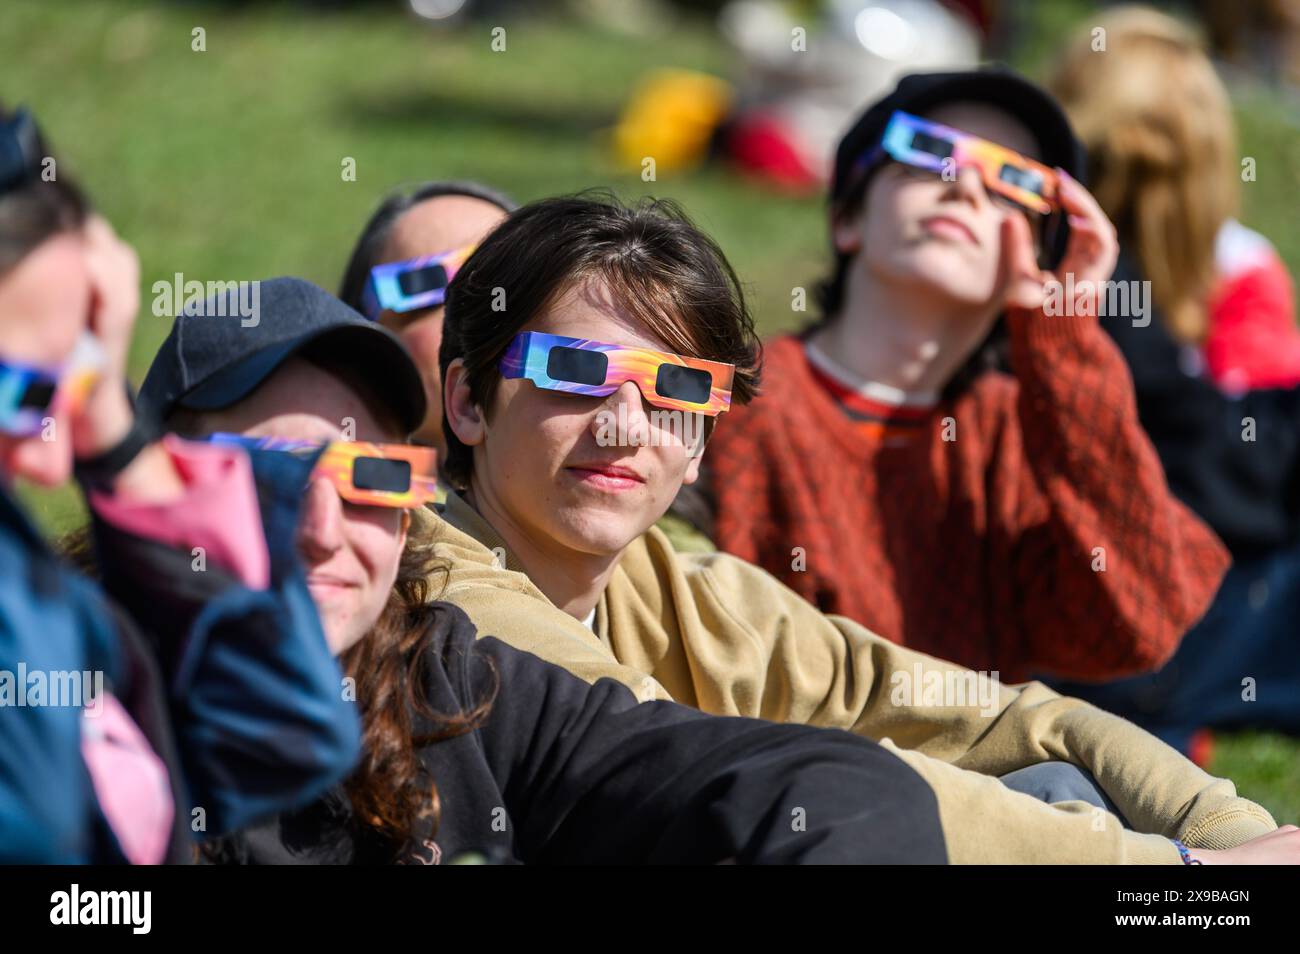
(654, 261)
(389, 791)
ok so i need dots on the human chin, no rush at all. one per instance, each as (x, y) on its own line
(339, 619)
(598, 512)
(956, 271)
(595, 526)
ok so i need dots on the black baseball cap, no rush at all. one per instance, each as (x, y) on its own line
(218, 354)
(995, 85)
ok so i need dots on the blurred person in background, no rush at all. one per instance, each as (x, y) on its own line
(792, 105)
(207, 697)
(1261, 35)
(417, 237)
(1215, 369)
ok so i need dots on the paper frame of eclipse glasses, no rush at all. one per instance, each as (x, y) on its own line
(574, 365)
(361, 471)
(927, 145)
(29, 393)
(413, 283)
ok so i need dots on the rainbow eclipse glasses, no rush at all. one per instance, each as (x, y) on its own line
(927, 145)
(30, 393)
(377, 475)
(414, 283)
(597, 369)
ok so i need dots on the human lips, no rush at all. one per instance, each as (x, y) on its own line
(329, 582)
(607, 476)
(949, 227)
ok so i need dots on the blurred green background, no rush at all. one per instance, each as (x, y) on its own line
(225, 164)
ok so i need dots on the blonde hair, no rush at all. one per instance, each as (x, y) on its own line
(1162, 151)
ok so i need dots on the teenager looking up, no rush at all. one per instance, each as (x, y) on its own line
(1018, 522)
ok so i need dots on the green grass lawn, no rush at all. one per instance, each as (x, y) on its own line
(226, 164)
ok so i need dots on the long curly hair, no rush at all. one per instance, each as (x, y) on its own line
(389, 790)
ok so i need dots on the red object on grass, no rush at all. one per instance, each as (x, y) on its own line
(1200, 749)
(760, 144)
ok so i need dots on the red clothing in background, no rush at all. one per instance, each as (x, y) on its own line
(985, 549)
(1253, 340)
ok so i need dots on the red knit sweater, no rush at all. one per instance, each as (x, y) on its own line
(986, 549)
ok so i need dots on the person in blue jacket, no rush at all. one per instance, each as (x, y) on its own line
(190, 691)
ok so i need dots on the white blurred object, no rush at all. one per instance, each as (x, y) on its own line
(854, 52)
(436, 9)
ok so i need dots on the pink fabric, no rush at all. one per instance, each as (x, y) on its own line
(130, 781)
(218, 511)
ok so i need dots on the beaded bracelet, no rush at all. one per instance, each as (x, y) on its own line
(1185, 854)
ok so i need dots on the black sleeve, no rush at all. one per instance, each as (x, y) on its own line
(590, 775)
(1234, 460)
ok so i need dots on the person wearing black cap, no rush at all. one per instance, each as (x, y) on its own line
(470, 745)
(209, 366)
(1013, 522)
(189, 690)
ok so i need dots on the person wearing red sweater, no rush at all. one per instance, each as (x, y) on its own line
(1014, 522)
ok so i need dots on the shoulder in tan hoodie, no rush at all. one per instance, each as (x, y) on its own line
(716, 633)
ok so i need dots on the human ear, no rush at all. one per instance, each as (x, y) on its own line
(846, 231)
(693, 468)
(463, 415)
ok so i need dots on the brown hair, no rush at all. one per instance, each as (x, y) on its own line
(389, 791)
(34, 209)
(654, 261)
(1162, 152)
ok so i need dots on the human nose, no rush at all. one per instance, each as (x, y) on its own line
(320, 523)
(967, 186)
(627, 407)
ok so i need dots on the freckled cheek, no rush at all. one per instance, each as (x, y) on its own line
(537, 430)
(377, 546)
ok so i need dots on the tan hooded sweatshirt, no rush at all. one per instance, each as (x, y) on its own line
(716, 633)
